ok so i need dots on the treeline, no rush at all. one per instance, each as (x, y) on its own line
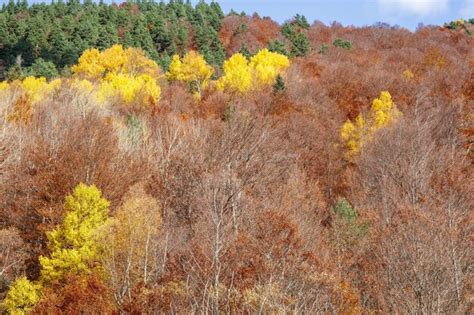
(59, 32)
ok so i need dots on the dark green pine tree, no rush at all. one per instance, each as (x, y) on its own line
(279, 85)
(60, 8)
(68, 25)
(42, 68)
(86, 33)
(141, 37)
(108, 36)
(278, 47)
(182, 39)
(161, 37)
(301, 45)
(11, 7)
(5, 36)
(36, 34)
(58, 45)
(301, 21)
(246, 52)
(73, 7)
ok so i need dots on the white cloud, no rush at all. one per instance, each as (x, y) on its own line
(467, 9)
(415, 7)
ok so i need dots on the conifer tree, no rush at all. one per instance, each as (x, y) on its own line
(21, 297)
(72, 245)
(279, 85)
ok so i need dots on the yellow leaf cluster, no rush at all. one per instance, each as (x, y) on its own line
(73, 244)
(352, 133)
(242, 76)
(4, 86)
(36, 89)
(95, 65)
(120, 74)
(267, 65)
(238, 74)
(82, 85)
(142, 88)
(192, 69)
(133, 233)
(382, 113)
(21, 297)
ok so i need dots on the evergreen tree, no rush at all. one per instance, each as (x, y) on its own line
(246, 52)
(278, 47)
(279, 85)
(141, 37)
(73, 244)
(108, 36)
(42, 68)
(301, 45)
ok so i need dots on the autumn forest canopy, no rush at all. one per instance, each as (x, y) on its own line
(164, 157)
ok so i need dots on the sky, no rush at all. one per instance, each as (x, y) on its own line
(405, 13)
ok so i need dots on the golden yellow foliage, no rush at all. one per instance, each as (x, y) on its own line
(120, 74)
(4, 86)
(382, 113)
(243, 76)
(73, 244)
(142, 88)
(192, 69)
(131, 233)
(267, 65)
(36, 89)
(352, 133)
(95, 65)
(238, 74)
(21, 297)
(82, 85)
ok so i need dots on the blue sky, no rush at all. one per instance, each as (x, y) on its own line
(406, 13)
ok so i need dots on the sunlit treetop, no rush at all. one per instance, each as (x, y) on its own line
(383, 110)
(21, 297)
(268, 65)
(95, 65)
(382, 113)
(238, 74)
(73, 243)
(192, 68)
(37, 89)
(242, 76)
(142, 88)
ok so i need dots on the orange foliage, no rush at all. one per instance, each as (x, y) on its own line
(253, 32)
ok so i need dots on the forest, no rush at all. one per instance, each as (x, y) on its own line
(166, 157)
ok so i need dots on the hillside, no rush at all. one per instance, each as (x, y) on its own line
(169, 158)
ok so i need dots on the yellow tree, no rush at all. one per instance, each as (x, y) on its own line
(122, 74)
(95, 65)
(243, 76)
(238, 74)
(382, 113)
(21, 297)
(128, 89)
(73, 245)
(130, 243)
(192, 69)
(267, 66)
